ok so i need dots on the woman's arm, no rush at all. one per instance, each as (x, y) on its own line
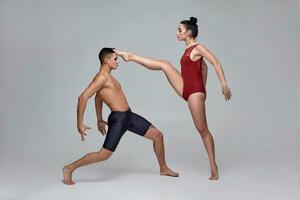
(203, 51)
(204, 72)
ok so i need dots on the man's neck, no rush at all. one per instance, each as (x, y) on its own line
(105, 69)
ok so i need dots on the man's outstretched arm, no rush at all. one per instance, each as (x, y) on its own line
(93, 87)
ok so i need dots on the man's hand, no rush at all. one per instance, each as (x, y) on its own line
(82, 130)
(101, 127)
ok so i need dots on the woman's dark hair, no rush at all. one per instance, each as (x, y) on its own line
(191, 25)
(104, 53)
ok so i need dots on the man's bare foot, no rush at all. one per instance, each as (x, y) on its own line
(214, 173)
(125, 55)
(67, 176)
(168, 172)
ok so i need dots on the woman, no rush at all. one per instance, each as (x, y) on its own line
(190, 84)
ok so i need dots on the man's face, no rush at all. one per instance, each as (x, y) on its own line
(112, 61)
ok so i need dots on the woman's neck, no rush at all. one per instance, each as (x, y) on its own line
(190, 42)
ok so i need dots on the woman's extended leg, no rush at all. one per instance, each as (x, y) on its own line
(173, 76)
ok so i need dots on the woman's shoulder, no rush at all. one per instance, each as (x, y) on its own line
(200, 48)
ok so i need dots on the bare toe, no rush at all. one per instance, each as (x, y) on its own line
(67, 176)
(168, 172)
(214, 173)
(213, 178)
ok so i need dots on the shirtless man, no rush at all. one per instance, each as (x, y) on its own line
(121, 119)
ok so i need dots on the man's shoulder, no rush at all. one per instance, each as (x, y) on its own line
(101, 76)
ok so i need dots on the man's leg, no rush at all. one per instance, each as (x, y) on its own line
(115, 131)
(89, 158)
(143, 127)
(158, 145)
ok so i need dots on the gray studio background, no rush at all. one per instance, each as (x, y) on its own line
(49, 53)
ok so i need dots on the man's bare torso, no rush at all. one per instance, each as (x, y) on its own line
(112, 95)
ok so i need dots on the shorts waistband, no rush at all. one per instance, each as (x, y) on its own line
(121, 112)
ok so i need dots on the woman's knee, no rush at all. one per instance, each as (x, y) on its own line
(164, 64)
(203, 130)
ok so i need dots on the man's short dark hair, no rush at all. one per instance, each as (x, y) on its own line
(104, 53)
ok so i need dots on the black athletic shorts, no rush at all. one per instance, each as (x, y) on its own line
(119, 122)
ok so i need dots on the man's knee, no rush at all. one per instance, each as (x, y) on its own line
(104, 154)
(158, 135)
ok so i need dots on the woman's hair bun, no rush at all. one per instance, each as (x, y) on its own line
(193, 20)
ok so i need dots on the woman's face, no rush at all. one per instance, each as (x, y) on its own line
(182, 32)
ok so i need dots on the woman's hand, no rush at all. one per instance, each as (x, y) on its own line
(125, 55)
(226, 92)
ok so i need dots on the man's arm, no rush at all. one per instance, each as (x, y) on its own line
(98, 106)
(96, 84)
(100, 122)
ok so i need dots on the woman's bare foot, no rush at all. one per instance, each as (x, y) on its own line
(125, 55)
(214, 173)
(168, 172)
(67, 176)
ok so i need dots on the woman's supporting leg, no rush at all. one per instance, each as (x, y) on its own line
(196, 104)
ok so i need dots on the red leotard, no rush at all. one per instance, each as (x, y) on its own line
(191, 72)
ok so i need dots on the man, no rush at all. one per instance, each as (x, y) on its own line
(121, 118)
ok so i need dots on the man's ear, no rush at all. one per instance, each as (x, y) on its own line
(106, 60)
